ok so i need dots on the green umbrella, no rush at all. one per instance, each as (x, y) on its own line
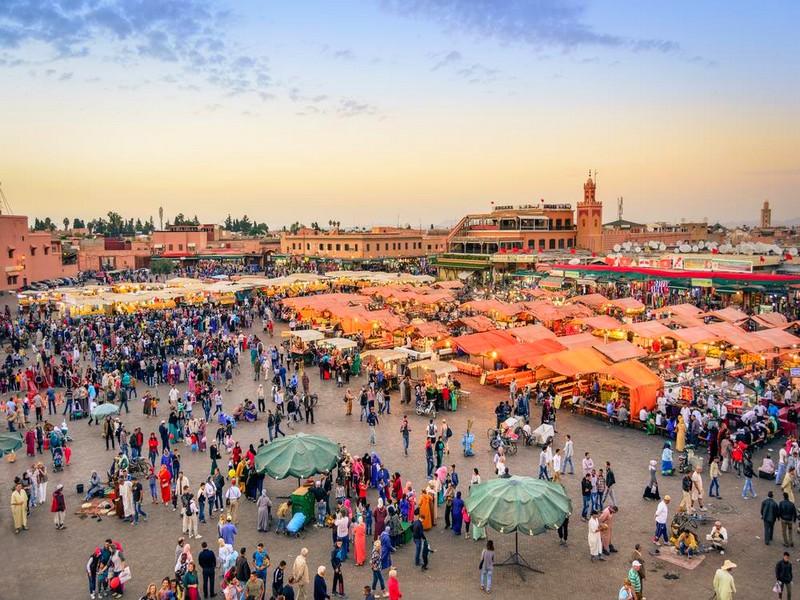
(518, 504)
(9, 442)
(103, 410)
(298, 455)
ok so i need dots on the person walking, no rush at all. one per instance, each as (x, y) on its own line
(713, 472)
(320, 585)
(769, 514)
(375, 565)
(418, 535)
(59, 507)
(208, 565)
(788, 514)
(569, 451)
(300, 574)
(783, 575)
(595, 542)
(662, 514)
(611, 481)
(724, 586)
(405, 430)
(393, 584)
(372, 423)
(486, 566)
(747, 471)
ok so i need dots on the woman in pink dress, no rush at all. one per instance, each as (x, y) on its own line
(360, 542)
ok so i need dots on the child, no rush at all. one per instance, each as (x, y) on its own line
(368, 595)
(369, 518)
(102, 579)
(151, 479)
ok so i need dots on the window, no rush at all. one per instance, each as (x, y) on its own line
(531, 243)
(552, 244)
(541, 243)
(346, 247)
(170, 247)
(567, 223)
(10, 253)
(406, 245)
(387, 245)
(338, 247)
(12, 279)
(569, 242)
(308, 246)
(33, 250)
(330, 247)
(558, 223)
(322, 246)
(46, 250)
(561, 243)
(367, 247)
(180, 246)
(596, 222)
(356, 247)
(429, 246)
(583, 223)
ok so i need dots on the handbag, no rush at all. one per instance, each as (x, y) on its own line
(480, 565)
(778, 587)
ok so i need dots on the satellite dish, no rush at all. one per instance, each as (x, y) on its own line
(662, 246)
(627, 245)
(637, 249)
(701, 244)
(695, 248)
(617, 247)
(574, 261)
(793, 251)
(678, 250)
(686, 248)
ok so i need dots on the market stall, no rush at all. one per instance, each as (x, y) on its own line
(301, 344)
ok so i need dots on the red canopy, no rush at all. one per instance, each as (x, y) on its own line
(484, 342)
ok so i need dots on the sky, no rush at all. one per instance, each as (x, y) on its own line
(398, 111)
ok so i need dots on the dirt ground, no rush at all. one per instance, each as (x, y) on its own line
(45, 563)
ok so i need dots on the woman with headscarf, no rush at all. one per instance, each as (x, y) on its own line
(95, 487)
(164, 479)
(666, 459)
(360, 542)
(651, 489)
(680, 435)
(379, 519)
(410, 496)
(458, 507)
(264, 506)
(426, 504)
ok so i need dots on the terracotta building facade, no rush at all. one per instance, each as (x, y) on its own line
(29, 256)
(377, 243)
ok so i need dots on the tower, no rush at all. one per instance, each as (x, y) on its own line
(766, 215)
(590, 218)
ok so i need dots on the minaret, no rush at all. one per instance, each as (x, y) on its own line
(766, 215)
(590, 218)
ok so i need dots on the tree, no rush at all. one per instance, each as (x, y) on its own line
(66, 223)
(162, 266)
(78, 223)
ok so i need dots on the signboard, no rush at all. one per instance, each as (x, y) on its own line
(794, 372)
(731, 265)
(702, 283)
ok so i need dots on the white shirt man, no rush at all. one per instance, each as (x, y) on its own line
(174, 395)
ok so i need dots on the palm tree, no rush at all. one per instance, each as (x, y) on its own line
(66, 223)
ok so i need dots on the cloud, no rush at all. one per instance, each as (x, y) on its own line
(538, 23)
(348, 107)
(188, 34)
(471, 71)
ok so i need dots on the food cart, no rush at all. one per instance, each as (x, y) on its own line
(301, 344)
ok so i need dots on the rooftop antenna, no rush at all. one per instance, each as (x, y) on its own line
(5, 206)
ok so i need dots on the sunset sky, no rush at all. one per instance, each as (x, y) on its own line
(387, 111)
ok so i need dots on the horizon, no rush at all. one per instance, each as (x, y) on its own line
(382, 112)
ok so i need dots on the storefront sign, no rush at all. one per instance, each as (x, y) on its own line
(731, 265)
(702, 283)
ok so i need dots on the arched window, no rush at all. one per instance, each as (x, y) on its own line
(596, 223)
(583, 223)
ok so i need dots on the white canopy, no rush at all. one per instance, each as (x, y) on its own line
(338, 343)
(383, 355)
(308, 335)
(438, 367)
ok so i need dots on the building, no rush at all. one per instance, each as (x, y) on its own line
(621, 231)
(210, 242)
(508, 228)
(111, 254)
(590, 219)
(375, 244)
(29, 256)
(766, 216)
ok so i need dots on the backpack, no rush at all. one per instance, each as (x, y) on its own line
(686, 483)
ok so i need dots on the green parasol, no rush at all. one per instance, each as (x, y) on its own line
(518, 504)
(10, 441)
(298, 455)
(103, 410)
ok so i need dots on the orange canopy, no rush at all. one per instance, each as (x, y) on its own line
(693, 335)
(492, 307)
(574, 362)
(777, 338)
(619, 351)
(545, 311)
(682, 310)
(738, 337)
(648, 329)
(323, 302)
(770, 320)
(627, 304)
(600, 322)
(478, 323)
(484, 342)
(729, 314)
(686, 321)
(580, 340)
(592, 300)
(642, 383)
(531, 333)
(518, 355)
(431, 329)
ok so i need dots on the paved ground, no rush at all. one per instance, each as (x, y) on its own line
(149, 548)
